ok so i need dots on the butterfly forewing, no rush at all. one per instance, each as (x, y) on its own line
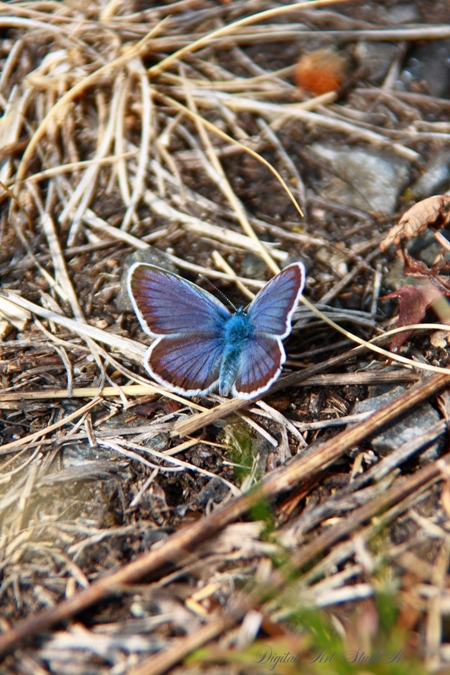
(260, 365)
(165, 304)
(271, 311)
(188, 364)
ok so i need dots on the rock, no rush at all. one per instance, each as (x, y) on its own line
(253, 267)
(160, 442)
(435, 179)
(398, 14)
(419, 420)
(364, 179)
(427, 70)
(214, 491)
(376, 59)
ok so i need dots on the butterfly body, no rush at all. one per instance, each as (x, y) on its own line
(237, 332)
(200, 346)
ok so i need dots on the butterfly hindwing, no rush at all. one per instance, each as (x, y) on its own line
(166, 304)
(272, 309)
(260, 365)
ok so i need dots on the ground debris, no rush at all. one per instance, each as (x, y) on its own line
(226, 531)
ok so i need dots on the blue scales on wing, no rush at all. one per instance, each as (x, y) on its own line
(271, 311)
(260, 365)
(165, 304)
(189, 323)
(189, 365)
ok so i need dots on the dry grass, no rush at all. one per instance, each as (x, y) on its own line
(141, 530)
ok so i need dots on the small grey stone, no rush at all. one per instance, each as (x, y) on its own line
(436, 177)
(364, 179)
(428, 69)
(80, 453)
(398, 14)
(253, 267)
(376, 58)
(153, 536)
(159, 442)
(419, 420)
(215, 490)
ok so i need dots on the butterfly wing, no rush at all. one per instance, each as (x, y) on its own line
(270, 315)
(260, 365)
(272, 309)
(166, 304)
(189, 323)
(188, 365)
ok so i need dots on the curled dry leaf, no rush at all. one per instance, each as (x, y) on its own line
(414, 301)
(432, 212)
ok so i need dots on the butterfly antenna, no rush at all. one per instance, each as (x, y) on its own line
(227, 300)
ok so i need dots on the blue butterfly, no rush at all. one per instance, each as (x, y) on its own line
(200, 345)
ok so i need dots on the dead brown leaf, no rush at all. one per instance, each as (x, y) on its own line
(433, 212)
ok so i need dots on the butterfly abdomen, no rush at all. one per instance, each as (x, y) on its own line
(237, 332)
